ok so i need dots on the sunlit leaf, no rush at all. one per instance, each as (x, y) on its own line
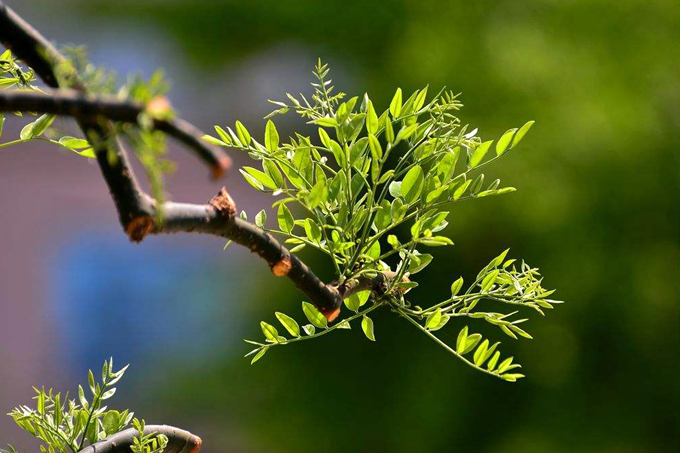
(367, 327)
(314, 316)
(289, 323)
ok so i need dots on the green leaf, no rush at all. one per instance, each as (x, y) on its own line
(479, 153)
(363, 297)
(480, 354)
(447, 165)
(489, 280)
(90, 381)
(74, 143)
(521, 133)
(285, 219)
(405, 132)
(412, 184)
(376, 149)
(512, 377)
(273, 171)
(462, 340)
(389, 132)
(395, 190)
(357, 150)
(37, 127)
(494, 360)
(325, 138)
(224, 136)
(521, 332)
(456, 286)
(243, 134)
(317, 195)
(314, 316)
(461, 190)
(271, 136)
(423, 260)
(442, 322)
(259, 355)
(500, 258)
(261, 177)
(338, 153)
(2, 122)
(504, 142)
(111, 422)
(269, 331)
(433, 319)
(352, 302)
(471, 342)
(374, 251)
(313, 231)
(261, 218)
(395, 105)
(371, 119)
(309, 329)
(326, 122)
(367, 327)
(213, 140)
(383, 217)
(289, 323)
(436, 241)
(505, 364)
(420, 99)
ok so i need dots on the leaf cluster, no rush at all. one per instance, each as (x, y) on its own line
(66, 425)
(345, 192)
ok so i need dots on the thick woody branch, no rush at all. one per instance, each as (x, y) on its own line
(136, 209)
(179, 441)
(80, 105)
(219, 218)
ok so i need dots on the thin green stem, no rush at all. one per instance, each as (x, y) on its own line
(332, 328)
(442, 344)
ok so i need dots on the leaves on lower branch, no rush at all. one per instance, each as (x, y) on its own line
(66, 424)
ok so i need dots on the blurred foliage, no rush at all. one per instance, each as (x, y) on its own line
(597, 209)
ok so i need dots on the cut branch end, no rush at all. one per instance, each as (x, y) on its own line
(221, 168)
(196, 443)
(332, 315)
(282, 267)
(139, 227)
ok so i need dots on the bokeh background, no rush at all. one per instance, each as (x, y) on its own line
(597, 210)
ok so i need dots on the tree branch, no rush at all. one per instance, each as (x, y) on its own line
(137, 209)
(179, 441)
(43, 58)
(80, 105)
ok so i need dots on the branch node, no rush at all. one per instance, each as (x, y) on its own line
(139, 227)
(224, 204)
(282, 267)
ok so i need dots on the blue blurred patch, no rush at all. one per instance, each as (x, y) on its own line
(148, 302)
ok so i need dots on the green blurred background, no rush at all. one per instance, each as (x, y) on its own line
(596, 211)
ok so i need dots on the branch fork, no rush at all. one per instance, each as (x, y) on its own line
(136, 209)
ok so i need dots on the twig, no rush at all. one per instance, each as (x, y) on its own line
(80, 105)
